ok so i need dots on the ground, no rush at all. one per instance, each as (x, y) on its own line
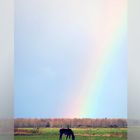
(80, 134)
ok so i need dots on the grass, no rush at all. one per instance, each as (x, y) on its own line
(81, 134)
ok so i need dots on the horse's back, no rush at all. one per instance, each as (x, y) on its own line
(63, 130)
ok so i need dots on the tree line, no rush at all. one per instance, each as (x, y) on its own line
(73, 123)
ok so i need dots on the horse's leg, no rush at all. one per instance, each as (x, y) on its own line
(60, 136)
(67, 137)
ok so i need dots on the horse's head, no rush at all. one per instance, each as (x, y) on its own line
(73, 137)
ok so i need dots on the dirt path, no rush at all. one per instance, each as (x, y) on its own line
(101, 135)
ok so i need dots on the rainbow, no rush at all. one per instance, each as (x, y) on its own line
(109, 34)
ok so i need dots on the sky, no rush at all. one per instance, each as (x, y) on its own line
(70, 59)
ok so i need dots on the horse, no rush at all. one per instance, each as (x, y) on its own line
(68, 132)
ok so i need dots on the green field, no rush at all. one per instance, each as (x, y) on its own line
(80, 134)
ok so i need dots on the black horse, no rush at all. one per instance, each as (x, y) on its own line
(68, 132)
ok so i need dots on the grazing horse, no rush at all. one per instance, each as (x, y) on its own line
(68, 132)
